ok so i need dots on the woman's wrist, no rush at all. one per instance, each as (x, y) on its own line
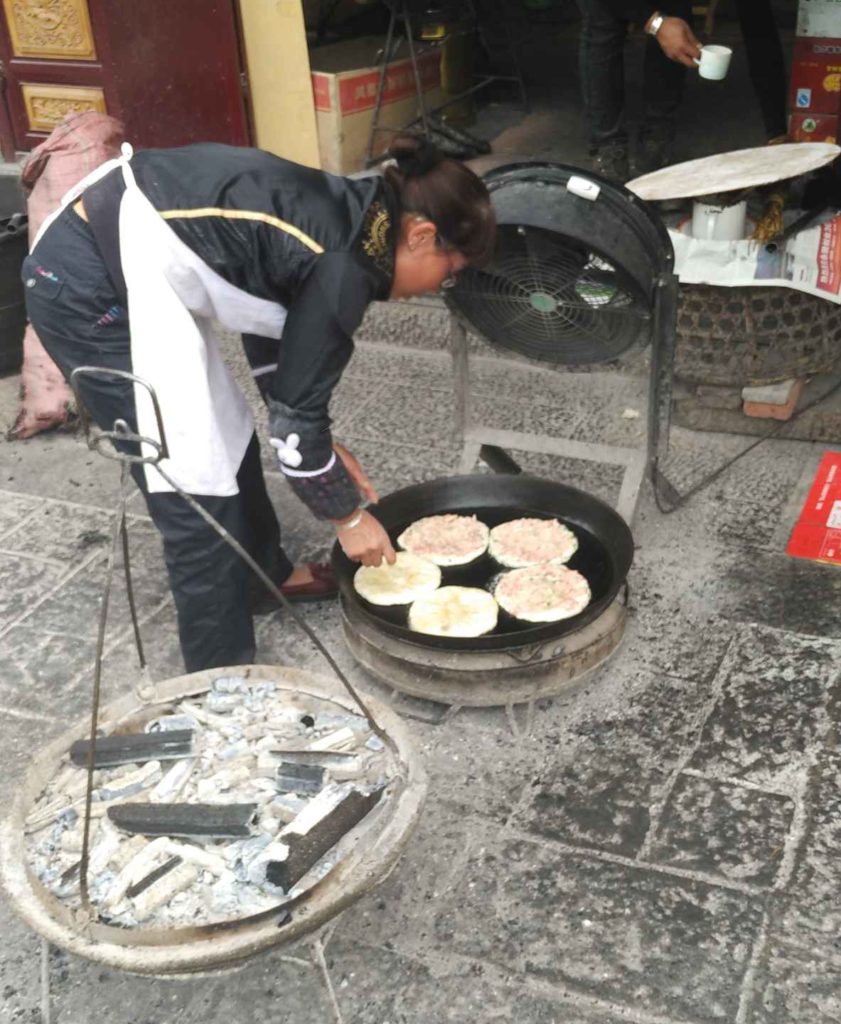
(348, 523)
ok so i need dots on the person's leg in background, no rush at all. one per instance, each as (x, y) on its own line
(663, 85)
(602, 71)
(766, 64)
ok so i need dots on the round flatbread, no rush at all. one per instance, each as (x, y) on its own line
(522, 542)
(407, 580)
(454, 611)
(447, 539)
(543, 593)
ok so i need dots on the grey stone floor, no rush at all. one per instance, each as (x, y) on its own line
(660, 848)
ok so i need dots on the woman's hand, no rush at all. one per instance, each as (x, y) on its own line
(678, 41)
(357, 473)
(366, 541)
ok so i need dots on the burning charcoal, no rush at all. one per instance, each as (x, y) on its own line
(173, 723)
(229, 684)
(137, 888)
(325, 758)
(144, 861)
(299, 778)
(71, 840)
(116, 750)
(335, 740)
(222, 703)
(287, 807)
(222, 781)
(347, 770)
(334, 720)
(172, 783)
(124, 852)
(130, 783)
(162, 891)
(219, 821)
(204, 859)
(317, 829)
(375, 743)
(235, 749)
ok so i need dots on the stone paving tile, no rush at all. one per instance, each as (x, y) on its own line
(406, 415)
(264, 987)
(793, 987)
(38, 669)
(723, 830)
(483, 769)
(597, 789)
(64, 533)
(22, 581)
(687, 646)
(413, 325)
(21, 735)
(13, 509)
(55, 465)
(21, 965)
(811, 916)
(771, 716)
(665, 946)
(377, 363)
(394, 466)
(787, 593)
(351, 399)
(375, 985)
(596, 478)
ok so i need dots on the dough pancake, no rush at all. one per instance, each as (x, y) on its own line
(454, 611)
(543, 593)
(408, 579)
(522, 542)
(447, 539)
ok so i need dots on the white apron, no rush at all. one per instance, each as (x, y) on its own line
(174, 298)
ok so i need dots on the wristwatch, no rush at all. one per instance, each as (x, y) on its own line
(654, 24)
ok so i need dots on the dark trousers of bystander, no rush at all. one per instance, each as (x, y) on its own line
(602, 70)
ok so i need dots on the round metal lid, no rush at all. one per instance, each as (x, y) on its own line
(734, 171)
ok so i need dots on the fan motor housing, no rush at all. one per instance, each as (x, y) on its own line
(572, 279)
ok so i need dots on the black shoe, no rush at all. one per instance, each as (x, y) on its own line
(656, 151)
(610, 160)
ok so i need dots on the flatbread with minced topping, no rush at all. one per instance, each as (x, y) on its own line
(447, 539)
(523, 542)
(543, 593)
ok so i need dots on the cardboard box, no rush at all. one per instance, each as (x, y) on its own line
(816, 76)
(813, 127)
(817, 533)
(819, 18)
(345, 77)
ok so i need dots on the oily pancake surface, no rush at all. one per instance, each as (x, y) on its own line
(543, 593)
(454, 611)
(407, 580)
(447, 539)
(523, 542)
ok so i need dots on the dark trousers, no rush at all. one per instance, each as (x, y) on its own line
(74, 309)
(602, 70)
(766, 63)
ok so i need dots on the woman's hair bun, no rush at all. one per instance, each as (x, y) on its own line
(415, 156)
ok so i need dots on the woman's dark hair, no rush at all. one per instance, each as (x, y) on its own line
(445, 192)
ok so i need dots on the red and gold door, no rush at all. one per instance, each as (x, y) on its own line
(171, 71)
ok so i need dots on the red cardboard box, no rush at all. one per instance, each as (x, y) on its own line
(813, 127)
(817, 534)
(816, 76)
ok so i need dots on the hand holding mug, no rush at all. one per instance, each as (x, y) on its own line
(714, 62)
(678, 42)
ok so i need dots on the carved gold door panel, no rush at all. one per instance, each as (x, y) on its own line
(52, 64)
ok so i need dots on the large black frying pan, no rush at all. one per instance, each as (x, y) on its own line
(605, 552)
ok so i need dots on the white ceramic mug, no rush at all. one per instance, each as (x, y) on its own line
(714, 61)
(721, 223)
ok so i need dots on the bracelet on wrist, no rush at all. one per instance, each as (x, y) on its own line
(349, 525)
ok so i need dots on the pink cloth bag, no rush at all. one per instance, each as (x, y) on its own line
(78, 145)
